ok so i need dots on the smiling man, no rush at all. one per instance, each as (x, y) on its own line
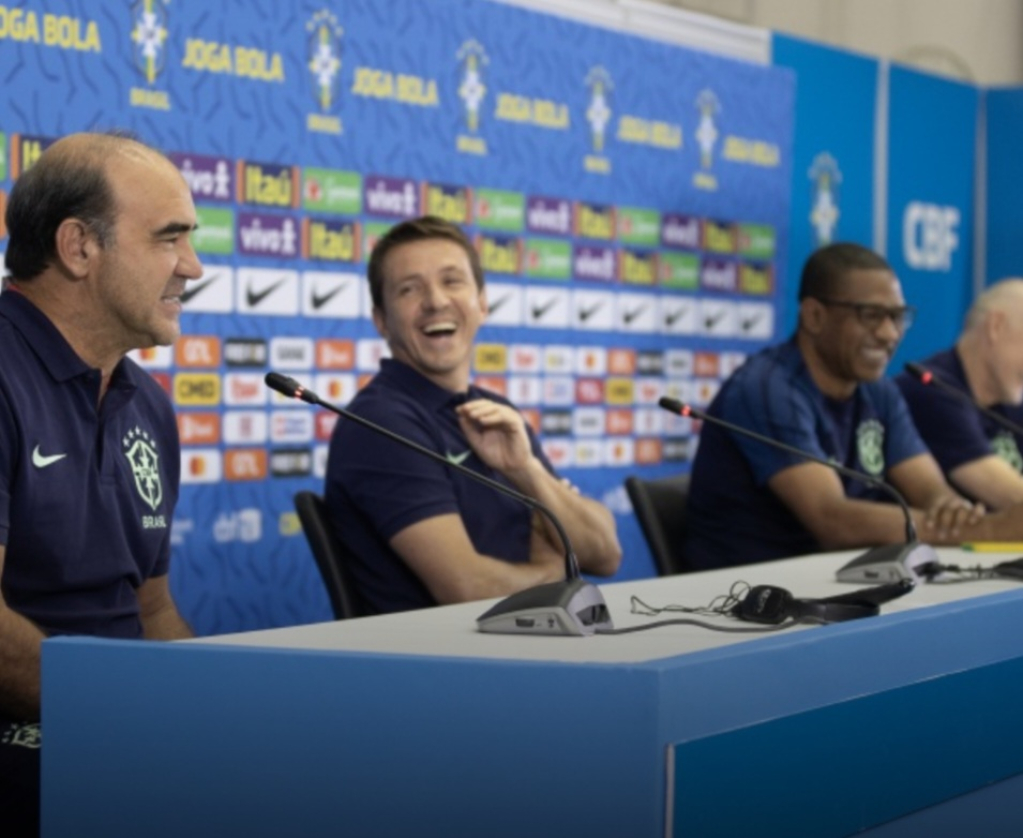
(822, 392)
(98, 256)
(422, 533)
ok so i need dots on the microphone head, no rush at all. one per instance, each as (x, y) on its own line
(283, 384)
(681, 408)
(922, 374)
(672, 405)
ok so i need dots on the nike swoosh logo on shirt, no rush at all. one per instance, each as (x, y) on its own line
(40, 460)
(457, 459)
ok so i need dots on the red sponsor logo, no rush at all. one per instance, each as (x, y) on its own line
(621, 362)
(524, 359)
(619, 422)
(245, 464)
(244, 390)
(706, 365)
(325, 423)
(332, 354)
(493, 384)
(199, 428)
(648, 451)
(532, 417)
(589, 391)
(196, 351)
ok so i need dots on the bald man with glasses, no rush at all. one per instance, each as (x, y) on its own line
(979, 454)
(823, 391)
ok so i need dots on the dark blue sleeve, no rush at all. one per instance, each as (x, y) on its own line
(772, 404)
(393, 486)
(950, 427)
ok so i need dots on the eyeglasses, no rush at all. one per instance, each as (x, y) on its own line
(872, 316)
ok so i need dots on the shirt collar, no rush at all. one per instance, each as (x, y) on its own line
(55, 353)
(430, 395)
(49, 345)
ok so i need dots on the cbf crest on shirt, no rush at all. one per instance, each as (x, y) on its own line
(144, 459)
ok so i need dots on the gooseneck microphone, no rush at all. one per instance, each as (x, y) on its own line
(887, 563)
(572, 606)
(929, 379)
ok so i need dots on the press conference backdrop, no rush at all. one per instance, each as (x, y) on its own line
(629, 199)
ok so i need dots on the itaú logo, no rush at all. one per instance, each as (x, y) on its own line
(929, 236)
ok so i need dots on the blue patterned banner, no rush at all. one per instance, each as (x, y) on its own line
(630, 201)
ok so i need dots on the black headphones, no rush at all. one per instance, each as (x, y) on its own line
(768, 604)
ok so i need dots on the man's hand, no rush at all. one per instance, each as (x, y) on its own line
(945, 518)
(497, 434)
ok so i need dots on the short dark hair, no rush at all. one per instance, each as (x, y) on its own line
(417, 229)
(62, 184)
(826, 269)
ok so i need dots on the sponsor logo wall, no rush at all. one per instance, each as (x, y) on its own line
(629, 201)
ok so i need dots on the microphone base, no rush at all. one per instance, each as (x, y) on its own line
(573, 607)
(889, 563)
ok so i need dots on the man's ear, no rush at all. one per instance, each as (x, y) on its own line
(996, 325)
(380, 322)
(76, 246)
(811, 315)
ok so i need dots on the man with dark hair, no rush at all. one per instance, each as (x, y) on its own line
(98, 257)
(823, 392)
(979, 455)
(422, 533)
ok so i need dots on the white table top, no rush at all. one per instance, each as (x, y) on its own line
(450, 631)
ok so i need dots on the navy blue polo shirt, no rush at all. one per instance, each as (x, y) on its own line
(955, 431)
(87, 493)
(376, 487)
(733, 517)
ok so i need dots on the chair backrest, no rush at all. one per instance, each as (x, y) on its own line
(332, 557)
(660, 507)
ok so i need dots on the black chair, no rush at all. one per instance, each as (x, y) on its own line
(660, 507)
(332, 556)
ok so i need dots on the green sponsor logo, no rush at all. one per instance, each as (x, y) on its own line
(3, 157)
(332, 191)
(639, 226)
(756, 240)
(498, 210)
(678, 270)
(216, 231)
(372, 231)
(547, 259)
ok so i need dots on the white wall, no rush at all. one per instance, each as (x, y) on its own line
(975, 40)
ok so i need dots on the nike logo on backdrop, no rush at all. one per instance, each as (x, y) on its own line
(540, 310)
(712, 320)
(254, 298)
(672, 318)
(457, 459)
(629, 316)
(320, 300)
(586, 313)
(193, 290)
(40, 460)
